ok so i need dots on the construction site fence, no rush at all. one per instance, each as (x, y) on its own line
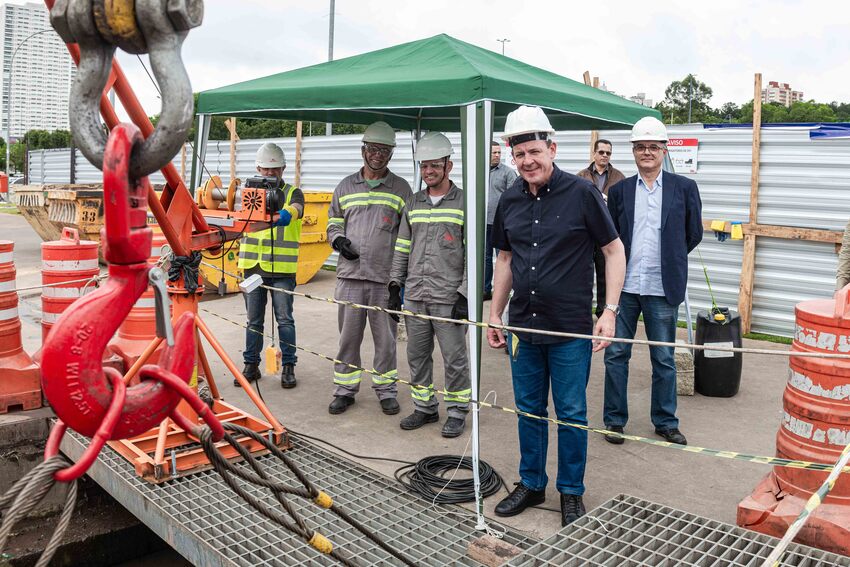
(804, 183)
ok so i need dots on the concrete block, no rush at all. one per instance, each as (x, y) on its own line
(684, 371)
(491, 551)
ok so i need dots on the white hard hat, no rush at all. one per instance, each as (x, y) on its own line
(433, 145)
(649, 129)
(527, 123)
(270, 156)
(379, 133)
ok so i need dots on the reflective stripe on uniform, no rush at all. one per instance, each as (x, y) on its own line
(371, 198)
(459, 396)
(347, 378)
(454, 216)
(402, 245)
(422, 393)
(385, 378)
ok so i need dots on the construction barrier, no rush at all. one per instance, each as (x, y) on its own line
(68, 259)
(69, 267)
(19, 377)
(815, 427)
(139, 328)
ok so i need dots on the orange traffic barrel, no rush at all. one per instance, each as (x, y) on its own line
(815, 427)
(20, 385)
(72, 264)
(139, 328)
(4, 183)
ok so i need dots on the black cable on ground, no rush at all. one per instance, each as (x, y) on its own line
(296, 434)
(431, 478)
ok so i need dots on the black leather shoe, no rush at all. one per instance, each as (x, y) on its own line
(614, 439)
(340, 404)
(572, 508)
(518, 500)
(251, 372)
(453, 427)
(672, 436)
(390, 406)
(417, 419)
(287, 376)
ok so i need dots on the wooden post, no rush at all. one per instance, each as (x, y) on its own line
(299, 127)
(231, 127)
(594, 134)
(748, 266)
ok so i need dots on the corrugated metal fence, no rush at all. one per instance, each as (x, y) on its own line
(804, 183)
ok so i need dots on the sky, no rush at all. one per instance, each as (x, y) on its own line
(631, 46)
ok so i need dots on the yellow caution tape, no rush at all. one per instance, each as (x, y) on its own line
(324, 500)
(321, 543)
(734, 455)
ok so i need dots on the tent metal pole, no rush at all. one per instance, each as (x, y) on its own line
(476, 131)
(200, 151)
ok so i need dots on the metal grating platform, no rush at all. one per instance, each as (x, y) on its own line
(630, 532)
(209, 525)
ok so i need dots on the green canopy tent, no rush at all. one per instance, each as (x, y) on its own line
(439, 83)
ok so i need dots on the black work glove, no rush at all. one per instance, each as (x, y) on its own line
(394, 302)
(460, 310)
(343, 245)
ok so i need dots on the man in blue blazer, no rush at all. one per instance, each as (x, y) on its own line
(659, 217)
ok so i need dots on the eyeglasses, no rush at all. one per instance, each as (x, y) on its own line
(435, 165)
(640, 148)
(381, 150)
(603, 153)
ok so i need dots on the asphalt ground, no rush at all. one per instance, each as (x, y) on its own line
(699, 484)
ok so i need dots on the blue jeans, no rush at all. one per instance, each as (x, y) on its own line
(659, 319)
(567, 366)
(488, 259)
(255, 304)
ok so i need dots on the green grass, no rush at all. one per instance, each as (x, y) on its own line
(768, 338)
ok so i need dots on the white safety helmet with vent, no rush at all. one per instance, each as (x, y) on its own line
(433, 145)
(270, 156)
(379, 133)
(527, 123)
(649, 129)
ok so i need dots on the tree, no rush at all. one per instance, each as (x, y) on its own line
(729, 112)
(774, 112)
(689, 94)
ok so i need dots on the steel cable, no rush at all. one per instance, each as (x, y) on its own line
(426, 477)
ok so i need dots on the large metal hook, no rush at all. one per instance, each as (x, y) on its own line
(73, 378)
(156, 27)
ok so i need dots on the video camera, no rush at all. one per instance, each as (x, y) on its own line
(263, 194)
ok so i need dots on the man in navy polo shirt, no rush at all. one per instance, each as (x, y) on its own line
(546, 227)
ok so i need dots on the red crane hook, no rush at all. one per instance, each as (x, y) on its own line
(73, 377)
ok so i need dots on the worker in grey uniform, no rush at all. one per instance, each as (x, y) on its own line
(429, 263)
(363, 222)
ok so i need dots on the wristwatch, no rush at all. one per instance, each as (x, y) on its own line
(614, 308)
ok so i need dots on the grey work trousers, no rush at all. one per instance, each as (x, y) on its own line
(352, 324)
(420, 350)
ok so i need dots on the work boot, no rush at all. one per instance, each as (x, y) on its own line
(672, 435)
(453, 427)
(340, 404)
(518, 500)
(390, 406)
(614, 439)
(417, 419)
(251, 372)
(572, 508)
(287, 376)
